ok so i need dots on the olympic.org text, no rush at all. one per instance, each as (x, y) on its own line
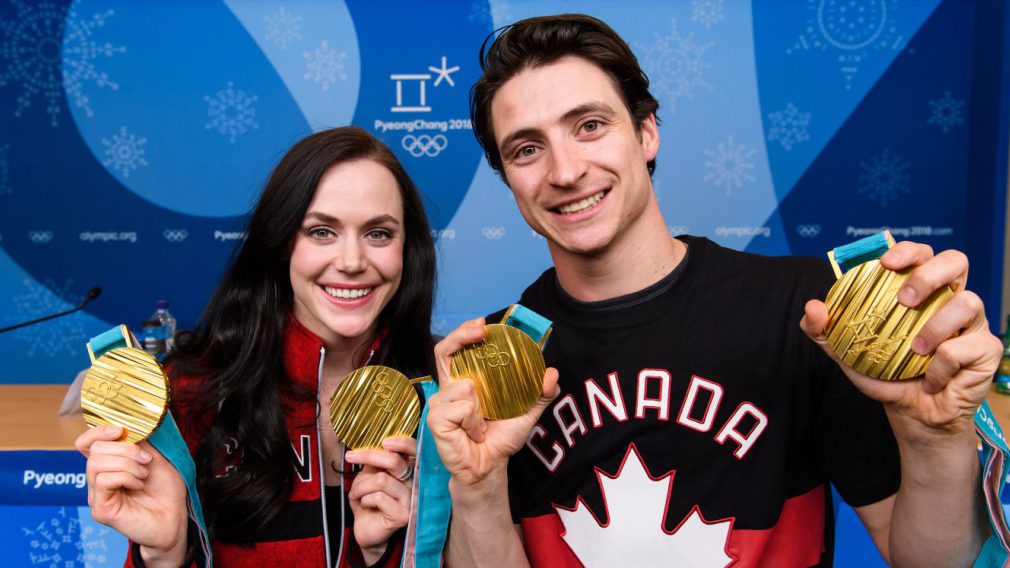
(903, 232)
(229, 236)
(421, 124)
(108, 237)
(78, 480)
(743, 231)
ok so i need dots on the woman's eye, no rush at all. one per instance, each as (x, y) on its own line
(320, 233)
(379, 235)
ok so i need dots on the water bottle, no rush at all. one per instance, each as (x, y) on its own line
(159, 331)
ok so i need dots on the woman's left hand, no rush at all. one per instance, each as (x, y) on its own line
(380, 494)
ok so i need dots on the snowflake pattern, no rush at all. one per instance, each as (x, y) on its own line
(63, 541)
(730, 165)
(61, 334)
(34, 44)
(5, 171)
(851, 30)
(231, 112)
(946, 112)
(788, 126)
(124, 152)
(283, 27)
(676, 65)
(487, 12)
(325, 66)
(884, 177)
(707, 12)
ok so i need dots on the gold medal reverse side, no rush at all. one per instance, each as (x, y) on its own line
(507, 369)
(870, 331)
(371, 404)
(126, 387)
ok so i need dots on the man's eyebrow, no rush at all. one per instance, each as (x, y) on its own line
(582, 109)
(517, 135)
(587, 108)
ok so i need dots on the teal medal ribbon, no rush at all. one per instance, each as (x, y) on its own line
(428, 527)
(529, 322)
(996, 549)
(168, 441)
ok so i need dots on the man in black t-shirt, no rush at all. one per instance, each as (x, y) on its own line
(687, 419)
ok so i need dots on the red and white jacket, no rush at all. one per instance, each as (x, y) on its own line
(298, 536)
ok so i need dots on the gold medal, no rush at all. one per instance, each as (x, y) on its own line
(374, 403)
(125, 387)
(869, 330)
(507, 369)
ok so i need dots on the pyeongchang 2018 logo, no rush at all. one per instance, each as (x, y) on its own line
(424, 145)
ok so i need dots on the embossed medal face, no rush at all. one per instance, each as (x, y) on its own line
(870, 331)
(126, 387)
(371, 404)
(507, 368)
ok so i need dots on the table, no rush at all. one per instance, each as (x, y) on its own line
(44, 517)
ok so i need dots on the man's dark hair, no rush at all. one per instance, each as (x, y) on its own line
(539, 41)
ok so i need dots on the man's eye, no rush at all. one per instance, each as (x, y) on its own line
(527, 151)
(591, 126)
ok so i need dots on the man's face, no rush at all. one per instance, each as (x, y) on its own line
(572, 156)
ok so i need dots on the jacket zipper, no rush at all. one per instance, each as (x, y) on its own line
(322, 469)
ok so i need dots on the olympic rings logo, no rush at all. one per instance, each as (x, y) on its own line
(492, 355)
(40, 237)
(493, 232)
(384, 392)
(808, 231)
(424, 145)
(103, 391)
(175, 235)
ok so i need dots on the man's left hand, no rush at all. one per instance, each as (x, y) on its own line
(965, 353)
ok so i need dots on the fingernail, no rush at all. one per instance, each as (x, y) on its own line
(907, 296)
(919, 345)
(145, 457)
(351, 455)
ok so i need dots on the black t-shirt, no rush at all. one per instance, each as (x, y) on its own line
(697, 424)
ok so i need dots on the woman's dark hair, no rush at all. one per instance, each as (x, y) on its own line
(237, 345)
(539, 41)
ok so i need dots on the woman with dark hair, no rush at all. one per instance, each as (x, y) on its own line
(337, 271)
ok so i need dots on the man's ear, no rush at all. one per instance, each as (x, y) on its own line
(650, 137)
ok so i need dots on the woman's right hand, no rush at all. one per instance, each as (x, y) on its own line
(135, 490)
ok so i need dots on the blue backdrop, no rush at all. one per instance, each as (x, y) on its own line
(134, 137)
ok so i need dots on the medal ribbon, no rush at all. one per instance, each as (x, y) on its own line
(529, 322)
(996, 549)
(166, 439)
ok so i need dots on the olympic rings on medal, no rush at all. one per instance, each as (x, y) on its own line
(424, 145)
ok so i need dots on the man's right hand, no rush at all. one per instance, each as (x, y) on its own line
(470, 446)
(135, 490)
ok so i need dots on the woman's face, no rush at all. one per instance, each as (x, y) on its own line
(347, 259)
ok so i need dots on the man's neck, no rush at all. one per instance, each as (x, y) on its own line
(637, 259)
